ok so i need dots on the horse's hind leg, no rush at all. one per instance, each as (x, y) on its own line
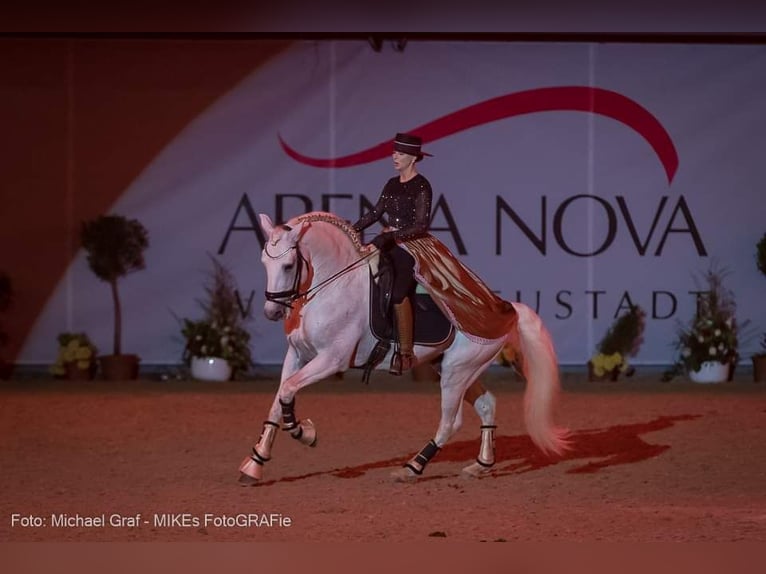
(455, 379)
(483, 403)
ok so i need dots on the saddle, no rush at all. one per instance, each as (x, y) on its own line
(431, 327)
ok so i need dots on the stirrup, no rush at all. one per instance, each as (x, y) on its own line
(400, 362)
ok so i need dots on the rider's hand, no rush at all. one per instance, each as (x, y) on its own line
(384, 240)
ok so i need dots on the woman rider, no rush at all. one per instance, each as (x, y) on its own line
(406, 203)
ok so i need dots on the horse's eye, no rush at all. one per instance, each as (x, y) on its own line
(289, 266)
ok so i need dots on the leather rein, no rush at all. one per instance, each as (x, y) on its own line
(288, 297)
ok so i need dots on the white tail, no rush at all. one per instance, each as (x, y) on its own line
(541, 371)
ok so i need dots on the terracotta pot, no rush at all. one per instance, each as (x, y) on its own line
(759, 368)
(75, 373)
(119, 367)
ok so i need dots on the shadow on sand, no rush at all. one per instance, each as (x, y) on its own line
(598, 448)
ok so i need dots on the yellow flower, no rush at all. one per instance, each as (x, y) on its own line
(603, 364)
(84, 354)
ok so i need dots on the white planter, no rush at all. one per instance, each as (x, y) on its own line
(210, 369)
(710, 372)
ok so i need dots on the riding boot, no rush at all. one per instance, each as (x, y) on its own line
(403, 358)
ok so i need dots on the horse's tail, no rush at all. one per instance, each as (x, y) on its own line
(541, 371)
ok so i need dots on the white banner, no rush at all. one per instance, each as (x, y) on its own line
(576, 178)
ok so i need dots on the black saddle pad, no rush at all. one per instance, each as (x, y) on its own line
(430, 325)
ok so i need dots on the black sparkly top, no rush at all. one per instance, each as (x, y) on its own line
(407, 206)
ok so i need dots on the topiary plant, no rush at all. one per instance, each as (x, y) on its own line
(115, 247)
(623, 339)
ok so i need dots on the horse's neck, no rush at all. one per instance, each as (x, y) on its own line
(329, 254)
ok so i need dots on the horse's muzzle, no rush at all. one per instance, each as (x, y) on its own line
(274, 312)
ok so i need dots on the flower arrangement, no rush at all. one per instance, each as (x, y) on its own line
(623, 339)
(75, 350)
(221, 332)
(712, 333)
(762, 352)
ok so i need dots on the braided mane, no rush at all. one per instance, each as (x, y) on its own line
(333, 219)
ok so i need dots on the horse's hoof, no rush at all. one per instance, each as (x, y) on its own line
(251, 469)
(245, 480)
(306, 433)
(475, 470)
(404, 474)
(310, 436)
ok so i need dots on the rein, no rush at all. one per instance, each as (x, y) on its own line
(286, 298)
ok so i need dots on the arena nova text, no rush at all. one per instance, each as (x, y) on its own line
(161, 520)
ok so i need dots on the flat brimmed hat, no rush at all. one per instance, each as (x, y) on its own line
(410, 144)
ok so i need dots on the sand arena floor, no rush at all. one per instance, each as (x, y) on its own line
(157, 461)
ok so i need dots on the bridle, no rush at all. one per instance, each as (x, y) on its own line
(288, 297)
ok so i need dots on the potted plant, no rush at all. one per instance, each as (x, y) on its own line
(623, 339)
(707, 347)
(76, 358)
(217, 347)
(6, 296)
(759, 359)
(115, 246)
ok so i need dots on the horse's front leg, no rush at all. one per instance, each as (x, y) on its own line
(251, 469)
(319, 368)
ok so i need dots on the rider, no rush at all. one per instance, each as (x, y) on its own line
(406, 201)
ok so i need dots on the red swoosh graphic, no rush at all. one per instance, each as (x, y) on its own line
(569, 98)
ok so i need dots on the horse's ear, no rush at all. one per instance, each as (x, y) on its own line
(266, 224)
(297, 232)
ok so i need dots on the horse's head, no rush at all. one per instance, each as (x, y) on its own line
(282, 260)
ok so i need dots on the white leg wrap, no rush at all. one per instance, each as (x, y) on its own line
(487, 449)
(306, 433)
(263, 448)
(252, 466)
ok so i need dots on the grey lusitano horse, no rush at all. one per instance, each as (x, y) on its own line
(318, 283)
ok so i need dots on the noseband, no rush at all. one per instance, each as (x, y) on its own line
(286, 298)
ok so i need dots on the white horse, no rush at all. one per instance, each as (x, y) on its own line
(318, 282)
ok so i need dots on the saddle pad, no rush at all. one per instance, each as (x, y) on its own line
(430, 326)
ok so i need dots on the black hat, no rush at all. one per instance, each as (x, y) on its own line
(410, 144)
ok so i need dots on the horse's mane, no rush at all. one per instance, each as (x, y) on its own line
(332, 219)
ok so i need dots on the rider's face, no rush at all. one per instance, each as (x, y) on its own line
(402, 160)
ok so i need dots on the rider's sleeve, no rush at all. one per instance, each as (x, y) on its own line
(422, 215)
(371, 216)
